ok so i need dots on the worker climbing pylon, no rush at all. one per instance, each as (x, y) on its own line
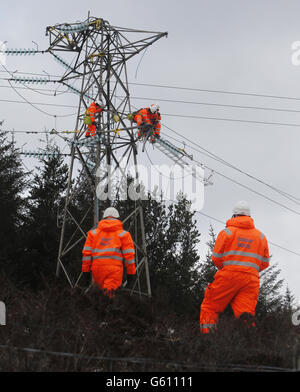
(89, 118)
(104, 251)
(148, 120)
(240, 253)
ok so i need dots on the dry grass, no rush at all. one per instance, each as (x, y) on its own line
(60, 319)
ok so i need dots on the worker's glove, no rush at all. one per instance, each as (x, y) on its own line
(130, 281)
(86, 278)
(87, 120)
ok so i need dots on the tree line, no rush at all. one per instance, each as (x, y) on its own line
(30, 203)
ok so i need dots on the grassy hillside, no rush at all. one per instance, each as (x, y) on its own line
(131, 334)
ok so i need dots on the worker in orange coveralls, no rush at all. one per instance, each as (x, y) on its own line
(148, 118)
(104, 251)
(90, 113)
(240, 253)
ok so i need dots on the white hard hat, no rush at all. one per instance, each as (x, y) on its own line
(154, 107)
(241, 208)
(111, 211)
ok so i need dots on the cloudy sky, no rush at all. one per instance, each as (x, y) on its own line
(228, 63)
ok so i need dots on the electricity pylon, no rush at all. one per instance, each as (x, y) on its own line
(98, 73)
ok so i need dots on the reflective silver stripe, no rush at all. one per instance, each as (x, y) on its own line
(128, 251)
(218, 255)
(86, 258)
(107, 257)
(227, 231)
(123, 233)
(240, 253)
(207, 325)
(262, 236)
(94, 231)
(247, 254)
(117, 250)
(242, 263)
(87, 248)
(130, 261)
(266, 261)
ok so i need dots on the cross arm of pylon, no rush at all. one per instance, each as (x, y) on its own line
(75, 90)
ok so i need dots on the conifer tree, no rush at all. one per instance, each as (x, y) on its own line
(172, 238)
(288, 300)
(12, 203)
(41, 234)
(207, 269)
(270, 294)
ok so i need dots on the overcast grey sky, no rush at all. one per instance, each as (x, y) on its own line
(212, 45)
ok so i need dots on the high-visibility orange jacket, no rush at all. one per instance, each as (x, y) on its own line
(91, 111)
(240, 253)
(145, 115)
(104, 251)
(241, 247)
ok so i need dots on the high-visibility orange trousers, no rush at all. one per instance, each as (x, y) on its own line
(239, 289)
(109, 278)
(91, 130)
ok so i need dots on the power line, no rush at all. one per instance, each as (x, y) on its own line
(198, 117)
(222, 222)
(40, 90)
(221, 160)
(252, 190)
(236, 182)
(273, 188)
(219, 221)
(165, 114)
(169, 100)
(185, 88)
(232, 120)
(214, 104)
(216, 172)
(215, 91)
(33, 104)
(39, 103)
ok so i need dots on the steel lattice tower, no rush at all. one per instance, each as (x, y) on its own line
(98, 73)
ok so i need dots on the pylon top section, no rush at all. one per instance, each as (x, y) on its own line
(95, 38)
(96, 67)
